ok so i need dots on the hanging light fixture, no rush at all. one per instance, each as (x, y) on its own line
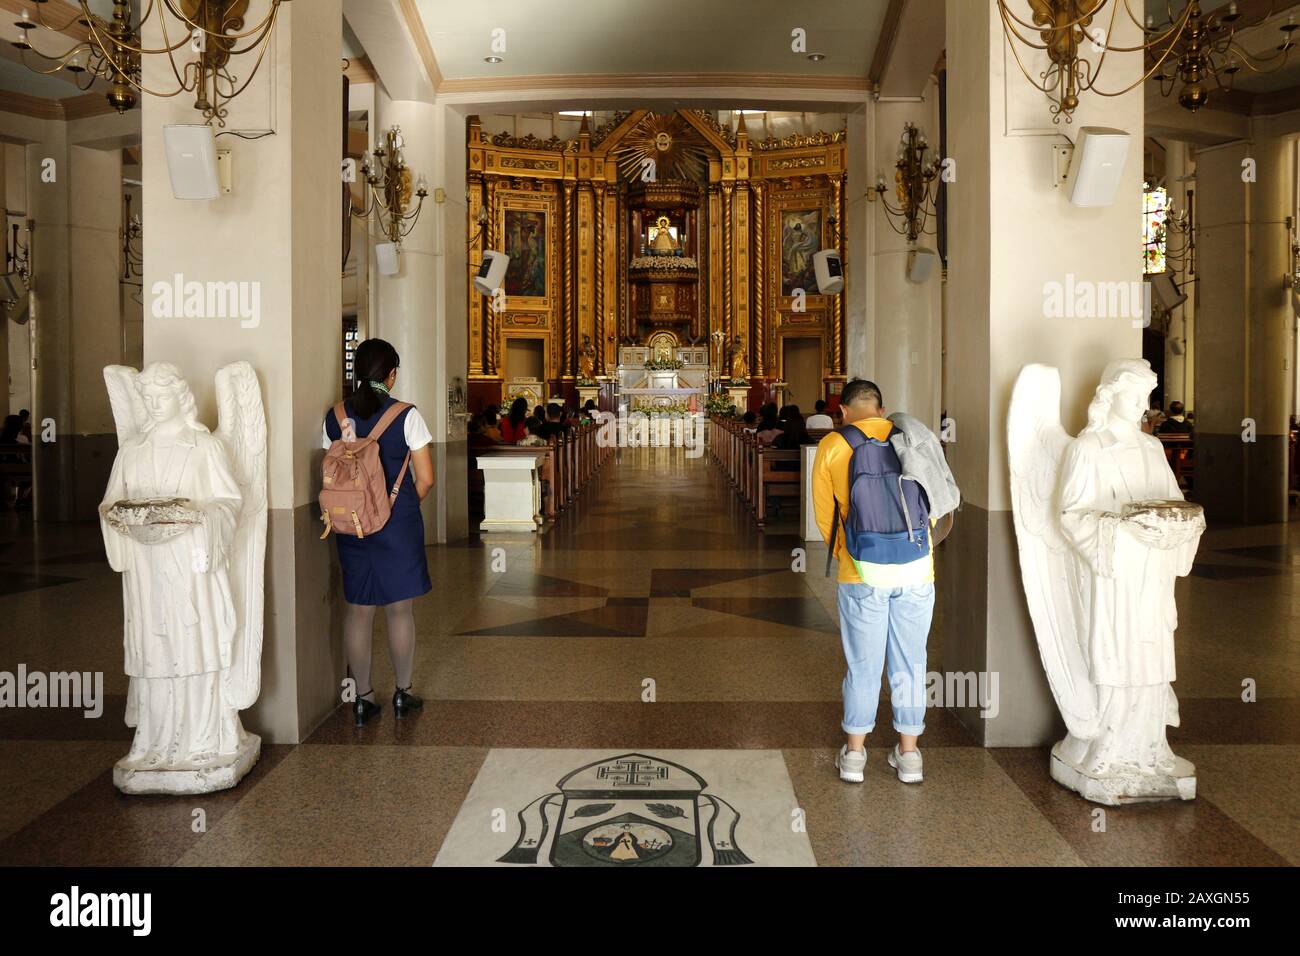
(1076, 43)
(1207, 48)
(388, 181)
(112, 51)
(915, 175)
(1185, 51)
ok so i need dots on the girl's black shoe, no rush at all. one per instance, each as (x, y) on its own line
(404, 701)
(363, 710)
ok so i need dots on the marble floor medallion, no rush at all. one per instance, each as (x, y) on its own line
(605, 808)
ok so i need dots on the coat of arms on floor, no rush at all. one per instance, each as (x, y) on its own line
(622, 810)
(627, 810)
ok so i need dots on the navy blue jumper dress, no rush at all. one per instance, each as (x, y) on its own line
(390, 565)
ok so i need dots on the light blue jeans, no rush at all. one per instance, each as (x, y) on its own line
(880, 626)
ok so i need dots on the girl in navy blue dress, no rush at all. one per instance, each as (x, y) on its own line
(389, 568)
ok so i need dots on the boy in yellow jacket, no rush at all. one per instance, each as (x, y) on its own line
(886, 594)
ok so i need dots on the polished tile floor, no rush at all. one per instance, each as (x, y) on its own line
(652, 620)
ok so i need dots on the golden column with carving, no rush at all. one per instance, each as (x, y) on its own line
(570, 311)
(837, 312)
(598, 324)
(714, 263)
(728, 262)
(760, 279)
(472, 207)
(743, 266)
(491, 317)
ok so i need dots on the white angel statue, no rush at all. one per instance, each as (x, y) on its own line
(1103, 532)
(184, 521)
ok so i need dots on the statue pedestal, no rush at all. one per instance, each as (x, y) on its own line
(588, 392)
(163, 780)
(739, 395)
(1124, 788)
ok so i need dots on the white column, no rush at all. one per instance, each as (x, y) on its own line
(1244, 387)
(279, 229)
(421, 310)
(1011, 233)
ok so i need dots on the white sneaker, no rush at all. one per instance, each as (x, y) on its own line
(907, 764)
(851, 763)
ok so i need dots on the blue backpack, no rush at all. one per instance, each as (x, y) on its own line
(889, 515)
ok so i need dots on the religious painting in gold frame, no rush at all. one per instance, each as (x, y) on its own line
(526, 227)
(805, 202)
(801, 238)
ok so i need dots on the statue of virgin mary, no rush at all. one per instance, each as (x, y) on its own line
(184, 521)
(1103, 533)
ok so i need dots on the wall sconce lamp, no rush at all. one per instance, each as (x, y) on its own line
(388, 182)
(915, 175)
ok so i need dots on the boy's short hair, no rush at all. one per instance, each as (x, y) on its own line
(819, 406)
(553, 410)
(859, 389)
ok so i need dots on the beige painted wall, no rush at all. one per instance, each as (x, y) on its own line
(907, 315)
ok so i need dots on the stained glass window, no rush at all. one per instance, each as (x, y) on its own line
(1155, 206)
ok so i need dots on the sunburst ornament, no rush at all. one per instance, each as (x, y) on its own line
(663, 147)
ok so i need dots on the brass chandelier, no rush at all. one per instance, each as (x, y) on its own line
(1186, 51)
(1207, 48)
(915, 175)
(112, 50)
(388, 182)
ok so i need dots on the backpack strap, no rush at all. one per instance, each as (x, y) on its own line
(387, 419)
(341, 416)
(855, 439)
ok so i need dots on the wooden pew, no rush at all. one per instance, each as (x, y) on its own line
(1180, 452)
(774, 477)
(15, 471)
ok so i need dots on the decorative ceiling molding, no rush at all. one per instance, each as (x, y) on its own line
(420, 36)
(66, 110)
(35, 106)
(360, 70)
(885, 45)
(623, 81)
(88, 104)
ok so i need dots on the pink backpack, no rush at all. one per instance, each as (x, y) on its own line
(354, 496)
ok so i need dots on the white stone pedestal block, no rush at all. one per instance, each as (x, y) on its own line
(1121, 788)
(177, 781)
(512, 492)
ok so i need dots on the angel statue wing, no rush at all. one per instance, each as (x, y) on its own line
(1049, 568)
(242, 432)
(128, 408)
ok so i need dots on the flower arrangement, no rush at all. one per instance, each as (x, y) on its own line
(720, 404)
(664, 365)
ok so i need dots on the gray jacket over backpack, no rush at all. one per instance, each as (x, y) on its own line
(921, 455)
